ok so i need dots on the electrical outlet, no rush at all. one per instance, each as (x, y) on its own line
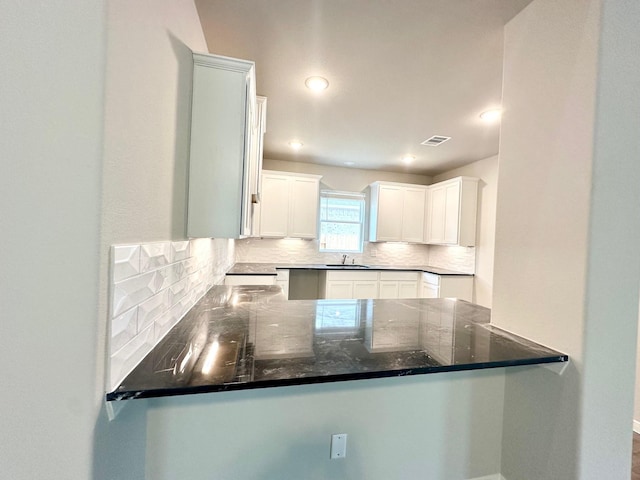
(338, 445)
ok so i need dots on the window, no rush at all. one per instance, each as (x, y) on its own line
(341, 221)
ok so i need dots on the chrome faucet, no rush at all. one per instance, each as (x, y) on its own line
(344, 258)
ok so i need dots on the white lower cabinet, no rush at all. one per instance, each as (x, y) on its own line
(348, 284)
(365, 289)
(371, 284)
(398, 284)
(340, 289)
(447, 286)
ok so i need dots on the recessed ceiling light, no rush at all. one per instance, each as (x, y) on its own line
(349, 164)
(407, 159)
(295, 144)
(491, 116)
(317, 84)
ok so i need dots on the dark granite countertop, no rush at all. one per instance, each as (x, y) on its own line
(270, 268)
(242, 337)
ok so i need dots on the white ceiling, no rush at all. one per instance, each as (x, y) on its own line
(400, 71)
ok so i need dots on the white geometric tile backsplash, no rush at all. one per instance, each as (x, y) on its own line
(153, 286)
(262, 250)
(459, 259)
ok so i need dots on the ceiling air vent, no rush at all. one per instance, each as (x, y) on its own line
(435, 140)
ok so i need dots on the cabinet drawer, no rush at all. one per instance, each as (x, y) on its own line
(351, 275)
(399, 276)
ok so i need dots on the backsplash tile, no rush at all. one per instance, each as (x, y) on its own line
(179, 250)
(133, 291)
(153, 286)
(151, 308)
(126, 261)
(154, 255)
(263, 250)
(123, 329)
(460, 259)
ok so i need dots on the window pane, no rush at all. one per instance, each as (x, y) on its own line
(340, 236)
(341, 221)
(341, 209)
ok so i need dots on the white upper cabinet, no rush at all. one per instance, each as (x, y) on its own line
(225, 147)
(450, 217)
(396, 212)
(289, 205)
(413, 214)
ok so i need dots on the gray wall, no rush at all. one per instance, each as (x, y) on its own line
(436, 427)
(567, 230)
(51, 96)
(487, 171)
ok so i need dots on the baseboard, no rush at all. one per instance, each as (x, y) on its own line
(636, 426)
(495, 476)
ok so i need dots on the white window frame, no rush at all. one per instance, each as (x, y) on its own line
(339, 194)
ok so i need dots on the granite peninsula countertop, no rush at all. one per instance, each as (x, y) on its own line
(243, 337)
(270, 268)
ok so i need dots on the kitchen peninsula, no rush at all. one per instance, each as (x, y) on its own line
(244, 337)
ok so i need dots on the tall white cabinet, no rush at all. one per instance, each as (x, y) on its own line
(450, 216)
(396, 212)
(224, 149)
(289, 205)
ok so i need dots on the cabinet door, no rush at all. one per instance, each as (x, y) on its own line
(429, 290)
(457, 287)
(222, 98)
(436, 213)
(365, 289)
(340, 289)
(274, 211)
(390, 205)
(303, 220)
(451, 213)
(407, 289)
(413, 215)
(388, 289)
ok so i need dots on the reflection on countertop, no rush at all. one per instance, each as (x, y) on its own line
(242, 337)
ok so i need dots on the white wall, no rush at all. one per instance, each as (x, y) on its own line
(343, 178)
(487, 171)
(51, 96)
(567, 229)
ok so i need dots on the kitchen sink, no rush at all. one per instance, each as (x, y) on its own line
(345, 265)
